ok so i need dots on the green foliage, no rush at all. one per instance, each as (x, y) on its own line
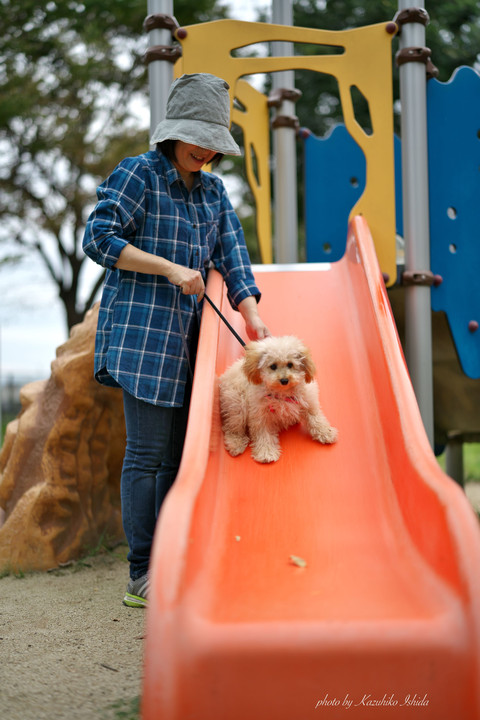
(471, 462)
(471, 458)
(72, 83)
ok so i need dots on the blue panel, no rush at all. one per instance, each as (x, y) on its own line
(454, 180)
(397, 149)
(335, 175)
(334, 181)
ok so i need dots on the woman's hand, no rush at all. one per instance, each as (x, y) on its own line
(254, 325)
(190, 281)
(136, 260)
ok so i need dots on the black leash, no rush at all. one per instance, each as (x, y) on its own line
(242, 343)
(184, 336)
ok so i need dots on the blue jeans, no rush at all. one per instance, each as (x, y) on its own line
(155, 437)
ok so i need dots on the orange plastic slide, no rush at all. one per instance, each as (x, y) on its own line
(341, 581)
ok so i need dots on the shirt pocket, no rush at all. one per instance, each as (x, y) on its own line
(208, 239)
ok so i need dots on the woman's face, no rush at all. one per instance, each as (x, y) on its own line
(191, 158)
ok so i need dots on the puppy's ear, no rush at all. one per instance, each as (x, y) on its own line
(308, 365)
(251, 362)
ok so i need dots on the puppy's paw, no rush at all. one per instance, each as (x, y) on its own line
(266, 457)
(266, 453)
(235, 444)
(325, 434)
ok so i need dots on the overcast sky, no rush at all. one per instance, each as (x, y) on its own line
(32, 321)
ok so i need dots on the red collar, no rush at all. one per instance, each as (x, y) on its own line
(285, 398)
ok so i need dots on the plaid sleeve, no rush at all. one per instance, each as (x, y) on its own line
(231, 255)
(118, 213)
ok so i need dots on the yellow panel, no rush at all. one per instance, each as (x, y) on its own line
(364, 63)
(254, 121)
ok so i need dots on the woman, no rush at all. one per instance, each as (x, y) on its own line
(158, 224)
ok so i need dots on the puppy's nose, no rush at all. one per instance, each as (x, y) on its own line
(284, 381)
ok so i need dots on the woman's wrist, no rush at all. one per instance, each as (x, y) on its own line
(254, 325)
(248, 308)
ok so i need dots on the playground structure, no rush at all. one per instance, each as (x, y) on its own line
(353, 53)
(336, 164)
(385, 604)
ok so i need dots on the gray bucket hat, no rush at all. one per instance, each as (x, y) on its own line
(198, 112)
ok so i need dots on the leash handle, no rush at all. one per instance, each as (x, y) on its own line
(242, 343)
(184, 336)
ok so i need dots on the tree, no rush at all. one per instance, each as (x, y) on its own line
(72, 83)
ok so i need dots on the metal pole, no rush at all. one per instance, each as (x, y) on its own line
(454, 458)
(418, 322)
(160, 72)
(284, 151)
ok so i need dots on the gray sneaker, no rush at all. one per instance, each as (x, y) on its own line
(136, 592)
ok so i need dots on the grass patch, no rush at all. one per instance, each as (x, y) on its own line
(105, 545)
(123, 710)
(7, 571)
(100, 554)
(471, 462)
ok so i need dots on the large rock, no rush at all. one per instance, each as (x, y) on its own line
(61, 462)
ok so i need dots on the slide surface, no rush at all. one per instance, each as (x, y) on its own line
(382, 617)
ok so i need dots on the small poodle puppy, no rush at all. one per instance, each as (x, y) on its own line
(267, 391)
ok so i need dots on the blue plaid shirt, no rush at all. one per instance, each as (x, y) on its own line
(139, 344)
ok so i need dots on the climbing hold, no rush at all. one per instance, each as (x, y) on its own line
(304, 133)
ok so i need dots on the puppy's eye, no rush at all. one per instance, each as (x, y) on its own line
(290, 365)
(273, 366)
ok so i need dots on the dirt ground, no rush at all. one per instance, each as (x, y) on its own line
(69, 648)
